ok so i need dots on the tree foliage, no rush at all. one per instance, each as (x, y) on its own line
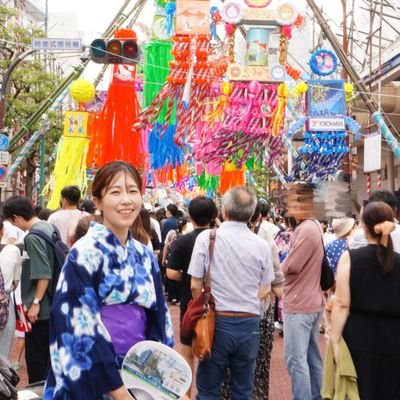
(29, 85)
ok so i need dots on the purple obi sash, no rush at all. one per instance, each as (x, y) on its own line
(126, 324)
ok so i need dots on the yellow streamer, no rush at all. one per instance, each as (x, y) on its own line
(278, 116)
(70, 166)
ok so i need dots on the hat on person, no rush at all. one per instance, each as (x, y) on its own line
(342, 226)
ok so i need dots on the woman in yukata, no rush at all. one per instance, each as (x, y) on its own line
(109, 296)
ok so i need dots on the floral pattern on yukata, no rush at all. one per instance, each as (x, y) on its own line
(100, 271)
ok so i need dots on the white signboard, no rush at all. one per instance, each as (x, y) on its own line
(57, 44)
(326, 124)
(4, 157)
(372, 153)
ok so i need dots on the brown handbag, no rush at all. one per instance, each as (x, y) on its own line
(204, 328)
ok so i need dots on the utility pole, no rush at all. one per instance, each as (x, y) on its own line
(42, 139)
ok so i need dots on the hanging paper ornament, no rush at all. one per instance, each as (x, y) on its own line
(278, 116)
(301, 88)
(215, 19)
(217, 113)
(286, 14)
(348, 91)
(170, 9)
(277, 72)
(323, 62)
(82, 91)
(232, 12)
(70, 165)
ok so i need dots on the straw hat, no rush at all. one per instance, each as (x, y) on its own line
(342, 226)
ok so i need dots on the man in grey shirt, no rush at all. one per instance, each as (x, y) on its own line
(241, 275)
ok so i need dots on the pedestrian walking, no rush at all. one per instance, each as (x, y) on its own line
(239, 256)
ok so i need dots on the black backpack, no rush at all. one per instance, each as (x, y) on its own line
(61, 251)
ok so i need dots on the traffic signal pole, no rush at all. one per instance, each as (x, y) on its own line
(121, 16)
(363, 92)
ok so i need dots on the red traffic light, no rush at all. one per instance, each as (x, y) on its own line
(115, 51)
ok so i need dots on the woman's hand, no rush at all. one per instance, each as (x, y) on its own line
(335, 351)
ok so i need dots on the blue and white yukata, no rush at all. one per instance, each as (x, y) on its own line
(99, 271)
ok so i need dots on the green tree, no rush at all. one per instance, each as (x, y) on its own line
(29, 85)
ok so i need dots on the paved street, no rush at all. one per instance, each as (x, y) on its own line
(280, 382)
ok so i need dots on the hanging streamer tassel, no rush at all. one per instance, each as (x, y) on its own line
(70, 168)
(170, 9)
(278, 116)
(162, 149)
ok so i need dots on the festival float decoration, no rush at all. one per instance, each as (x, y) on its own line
(244, 127)
(325, 122)
(70, 163)
(114, 139)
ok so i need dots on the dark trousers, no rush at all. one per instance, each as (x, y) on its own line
(37, 353)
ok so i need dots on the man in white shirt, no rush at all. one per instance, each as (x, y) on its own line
(10, 265)
(358, 239)
(12, 234)
(266, 225)
(66, 219)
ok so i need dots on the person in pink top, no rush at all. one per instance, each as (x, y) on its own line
(303, 299)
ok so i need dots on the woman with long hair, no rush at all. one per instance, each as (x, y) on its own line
(109, 296)
(366, 310)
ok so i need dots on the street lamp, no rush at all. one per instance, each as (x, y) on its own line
(5, 84)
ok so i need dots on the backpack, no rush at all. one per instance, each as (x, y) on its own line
(61, 251)
(4, 303)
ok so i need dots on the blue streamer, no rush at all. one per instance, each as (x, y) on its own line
(163, 150)
(213, 26)
(170, 9)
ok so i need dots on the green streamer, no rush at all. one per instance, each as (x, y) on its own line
(156, 69)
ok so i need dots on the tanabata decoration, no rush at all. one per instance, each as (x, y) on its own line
(325, 136)
(162, 148)
(251, 124)
(231, 176)
(82, 91)
(188, 85)
(70, 164)
(323, 62)
(114, 138)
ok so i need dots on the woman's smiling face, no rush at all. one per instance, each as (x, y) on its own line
(120, 204)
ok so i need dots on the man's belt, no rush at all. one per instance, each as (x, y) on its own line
(235, 314)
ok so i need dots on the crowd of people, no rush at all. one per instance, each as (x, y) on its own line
(129, 262)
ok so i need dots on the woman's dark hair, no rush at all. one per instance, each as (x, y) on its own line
(181, 222)
(258, 211)
(106, 174)
(373, 214)
(145, 217)
(139, 232)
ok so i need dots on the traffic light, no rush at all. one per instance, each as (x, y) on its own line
(115, 51)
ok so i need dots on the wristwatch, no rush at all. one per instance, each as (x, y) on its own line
(36, 301)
